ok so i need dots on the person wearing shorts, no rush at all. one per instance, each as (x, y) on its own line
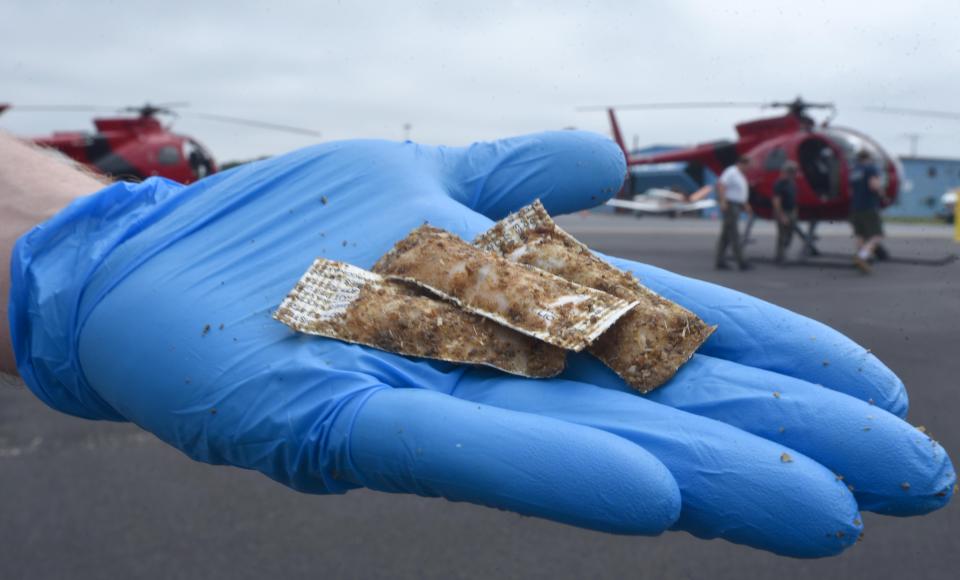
(865, 205)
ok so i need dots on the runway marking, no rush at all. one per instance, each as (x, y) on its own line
(94, 443)
(7, 451)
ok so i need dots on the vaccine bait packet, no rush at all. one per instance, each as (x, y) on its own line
(650, 343)
(529, 300)
(341, 301)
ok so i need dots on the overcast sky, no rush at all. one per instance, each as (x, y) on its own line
(460, 72)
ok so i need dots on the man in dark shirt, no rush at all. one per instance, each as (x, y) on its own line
(785, 207)
(865, 202)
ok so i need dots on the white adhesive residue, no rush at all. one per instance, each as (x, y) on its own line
(515, 255)
(571, 299)
(486, 271)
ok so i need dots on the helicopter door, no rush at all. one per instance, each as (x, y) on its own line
(820, 167)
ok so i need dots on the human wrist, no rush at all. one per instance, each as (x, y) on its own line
(35, 184)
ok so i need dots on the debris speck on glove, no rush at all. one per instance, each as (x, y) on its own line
(340, 301)
(528, 300)
(648, 345)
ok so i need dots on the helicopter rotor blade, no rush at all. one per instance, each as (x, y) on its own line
(160, 107)
(61, 109)
(252, 123)
(676, 105)
(914, 112)
(149, 109)
(172, 105)
(801, 104)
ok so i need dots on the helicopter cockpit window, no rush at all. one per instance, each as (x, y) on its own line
(820, 167)
(168, 155)
(200, 161)
(852, 144)
(775, 159)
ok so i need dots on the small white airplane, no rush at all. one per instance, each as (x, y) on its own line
(664, 201)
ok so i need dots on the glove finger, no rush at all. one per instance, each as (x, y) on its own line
(891, 467)
(567, 170)
(431, 444)
(733, 485)
(756, 333)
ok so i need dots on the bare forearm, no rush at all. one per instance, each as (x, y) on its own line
(34, 184)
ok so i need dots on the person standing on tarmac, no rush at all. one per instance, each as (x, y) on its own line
(785, 207)
(866, 198)
(732, 196)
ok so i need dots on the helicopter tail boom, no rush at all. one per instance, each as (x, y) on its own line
(617, 135)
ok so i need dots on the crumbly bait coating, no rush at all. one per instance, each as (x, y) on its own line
(649, 344)
(529, 300)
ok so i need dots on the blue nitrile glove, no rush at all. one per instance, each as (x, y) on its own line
(152, 303)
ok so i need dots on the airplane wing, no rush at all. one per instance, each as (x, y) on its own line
(665, 194)
(702, 204)
(670, 195)
(657, 206)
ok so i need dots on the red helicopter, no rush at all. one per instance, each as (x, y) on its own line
(823, 153)
(134, 148)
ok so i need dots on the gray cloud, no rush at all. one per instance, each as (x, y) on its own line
(461, 73)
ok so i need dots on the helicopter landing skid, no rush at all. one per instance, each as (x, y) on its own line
(839, 261)
(941, 261)
(812, 256)
(809, 237)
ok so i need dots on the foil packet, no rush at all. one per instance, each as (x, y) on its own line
(528, 300)
(341, 301)
(649, 344)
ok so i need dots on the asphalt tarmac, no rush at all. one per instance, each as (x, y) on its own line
(81, 499)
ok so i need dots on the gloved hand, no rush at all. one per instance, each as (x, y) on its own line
(152, 302)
